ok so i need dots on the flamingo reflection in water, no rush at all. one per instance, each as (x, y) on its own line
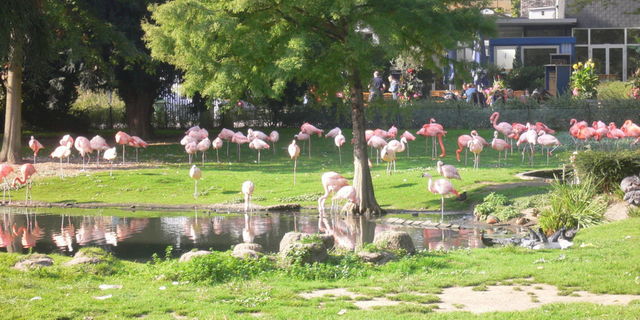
(30, 233)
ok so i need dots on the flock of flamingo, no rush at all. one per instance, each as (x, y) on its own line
(384, 142)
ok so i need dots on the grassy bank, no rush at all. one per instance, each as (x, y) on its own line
(604, 259)
(169, 183)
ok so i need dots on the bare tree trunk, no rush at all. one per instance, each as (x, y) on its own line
(139, 110)
(367, 204)
(11, 143)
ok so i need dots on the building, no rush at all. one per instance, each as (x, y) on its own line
(608, 33)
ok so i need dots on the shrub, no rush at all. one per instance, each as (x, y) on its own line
(584, 80)
(614, 90)
(337, 267)
(525, 78)
(572, 206)
(497, 205)
(217, 267)
(607, 169)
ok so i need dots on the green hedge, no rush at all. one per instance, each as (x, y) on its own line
(607, 169)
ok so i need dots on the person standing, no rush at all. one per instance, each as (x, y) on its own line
(393, 87)
(376, 87)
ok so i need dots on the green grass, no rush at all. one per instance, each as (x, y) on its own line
(169, 183)
(610, 265)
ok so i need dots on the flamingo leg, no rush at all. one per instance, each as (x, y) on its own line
(137, 155)
(123, 154)
(258, 156)
(98, 159)
(238, 152)
(189, 158)
(309, 146)
(34, 158)
(466, 157)
(217, 156)
(203, 159)
(110, 168)
(441, 208)
(228, 142)
(408, 155)
(61, 172)
(295, 164)
(195, 190)
(340, 155)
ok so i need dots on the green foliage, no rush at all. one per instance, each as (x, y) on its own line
(584, 80)
(97, 109)
(634, 212)
(572, 206)
(525, 78)
(607, 169)
(215, 268)
(337, 267)
(497, 205)
(614, 90)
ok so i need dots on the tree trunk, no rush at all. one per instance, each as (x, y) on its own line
(367, 204)
(11, 143)
(139, 110)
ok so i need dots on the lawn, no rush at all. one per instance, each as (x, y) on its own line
(169, 183)
(604, 259)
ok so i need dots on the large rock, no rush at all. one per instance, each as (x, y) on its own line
(290, 238)
(305, 252)
(247, 251)
(380, 257)
(33, 261)
(192, 254)
(87, 257)
(394, 240)
(249, 246)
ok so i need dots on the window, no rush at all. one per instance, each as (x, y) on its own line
(607, 36)
(633, 59)
(504, 57)
(582, 54)
(581, 35)
(633, 36)
(537, 56)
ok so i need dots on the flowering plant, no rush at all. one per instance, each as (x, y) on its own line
(584, 80)
(635, 85)
(410, 87)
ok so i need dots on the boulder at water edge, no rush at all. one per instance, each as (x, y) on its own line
(304, 248)
(394, 240)
(381, 257)
(87, 257)
(192, 254)
(33, 261)
(247, 251)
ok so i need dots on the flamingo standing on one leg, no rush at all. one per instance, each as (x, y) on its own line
(226, 135)
(5, 170)
(203, 146)
(35, 146)
(138, 143)
(409, 137)
(60, 153)
(274, 137)
(475, 146)
(442, 187)
(339, 141)
(310, 130)
(98, 143)
(247, 191)
(333, 132)
(503, 127)
(294, 153)
(191, 148)
(26, 171)
(547, 140)
(217, 144)
(83, 146)
(67, 141)
(499, 145)
(448, 171)
(301, 136)
(239, 138)
(195, 173)
(377, 143)
(331, 182)
(258, 144)
(110, 155)
(122, 138)
(530, 137)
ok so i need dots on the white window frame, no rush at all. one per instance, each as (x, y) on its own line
(522, 48)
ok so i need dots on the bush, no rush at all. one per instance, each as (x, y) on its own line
(217, 267)
(337, 267)
(614, 90)
(497, 205)
(607, 169)
(525, 78)
(572, 206)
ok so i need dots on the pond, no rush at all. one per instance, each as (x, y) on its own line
(139, 238)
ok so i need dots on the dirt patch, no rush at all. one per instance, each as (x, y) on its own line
(337, 292)
(73, 169)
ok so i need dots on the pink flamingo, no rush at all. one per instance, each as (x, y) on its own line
(197, 133)
(191, 148)
(274, 137)
(614, 132)
(433, 130)
(110, 155)
(543, 127)
(67, 141)
(35, 146)
(530, 137)
(83, 146)
(122, 138)
(381, 133)
(397, 147)
(463, 140)
(61, 152)
(217, 144)
(294, 153)
(226, 135)
(247, 191)
(475, 146)
(503, 127)
(26, 171)
(547, 140)
(377, 143)
(188, 139)
(630, 129)
(409, 137)
(392, 132)
(310, 130)
(442, 187)
(339, 141)
(601, 130)
(239, 138)
(138, 143)
(5, 170)
(98, 143)
(388, 156)
(255, 134)
(345, 193)
(195, 173)
(331, 182)
(499, 145)
(203, 146)
(448, 171)
(333, 132)
(301, 136)
(258, 144)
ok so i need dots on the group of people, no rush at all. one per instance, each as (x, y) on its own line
(473, 94)
(377, 87)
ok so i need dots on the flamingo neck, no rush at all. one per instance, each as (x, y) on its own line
(18, 180)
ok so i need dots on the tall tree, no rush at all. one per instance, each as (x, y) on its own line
(245, 49)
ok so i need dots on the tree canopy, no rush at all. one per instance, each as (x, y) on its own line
(248, 49)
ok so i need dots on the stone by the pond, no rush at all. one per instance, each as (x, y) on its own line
(492, 220)
(82, 260)
(292, 237)
(33, 261)
(249, 246)
(381, 257)
(304, 252)
(394, 240)
(522, 221)
(247, 250)
(192, 254)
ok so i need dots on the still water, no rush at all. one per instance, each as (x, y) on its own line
(140, 238)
